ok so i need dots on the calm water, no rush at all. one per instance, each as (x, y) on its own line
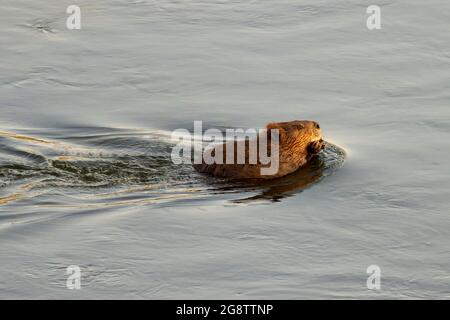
(85, 171)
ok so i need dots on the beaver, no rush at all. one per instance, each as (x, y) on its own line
(299, 141)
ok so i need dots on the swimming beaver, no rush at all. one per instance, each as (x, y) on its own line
(299, 140)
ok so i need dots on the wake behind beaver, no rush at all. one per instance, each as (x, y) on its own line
(109, 167)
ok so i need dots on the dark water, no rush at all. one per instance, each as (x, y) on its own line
(85, 176)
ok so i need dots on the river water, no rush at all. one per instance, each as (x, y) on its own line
(85, 172)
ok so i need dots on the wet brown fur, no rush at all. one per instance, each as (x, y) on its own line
(299, 141)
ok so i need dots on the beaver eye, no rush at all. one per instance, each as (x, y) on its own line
(317, 126)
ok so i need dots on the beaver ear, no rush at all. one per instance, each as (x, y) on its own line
(300, 126)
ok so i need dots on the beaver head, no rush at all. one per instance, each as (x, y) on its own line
(296, 138)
